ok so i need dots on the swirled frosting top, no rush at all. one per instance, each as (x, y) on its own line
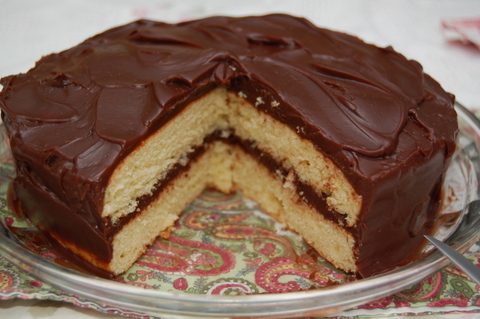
(112, 90)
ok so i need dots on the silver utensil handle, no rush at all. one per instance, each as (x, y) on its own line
(462, 262)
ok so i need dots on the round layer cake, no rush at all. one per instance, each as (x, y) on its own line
(345, 142)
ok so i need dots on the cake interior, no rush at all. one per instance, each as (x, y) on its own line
(223, 141)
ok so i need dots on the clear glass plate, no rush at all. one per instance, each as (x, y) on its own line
(458, 225)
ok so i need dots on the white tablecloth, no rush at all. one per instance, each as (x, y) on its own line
(32, 28)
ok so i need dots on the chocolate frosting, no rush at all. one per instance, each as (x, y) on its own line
(372, 111)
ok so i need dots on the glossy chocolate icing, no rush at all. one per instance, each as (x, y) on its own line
(374, 113)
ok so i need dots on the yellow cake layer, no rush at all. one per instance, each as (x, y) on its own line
(228, 168)
(225, 111)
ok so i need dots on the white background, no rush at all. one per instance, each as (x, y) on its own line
(30, 29)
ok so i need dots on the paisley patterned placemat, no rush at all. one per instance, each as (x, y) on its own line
(224, 244)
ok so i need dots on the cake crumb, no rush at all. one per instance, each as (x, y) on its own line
(241, 94)
(280, 174)
(225, 133)
(183, 161)
(289, 181)
(300, 129)
(274, 104)
(259, 101)
(165, 234)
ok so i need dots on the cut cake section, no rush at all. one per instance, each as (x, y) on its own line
(227, 167)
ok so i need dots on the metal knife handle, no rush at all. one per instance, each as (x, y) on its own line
(462, 262)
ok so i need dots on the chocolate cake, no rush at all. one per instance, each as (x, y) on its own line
(345, 142)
